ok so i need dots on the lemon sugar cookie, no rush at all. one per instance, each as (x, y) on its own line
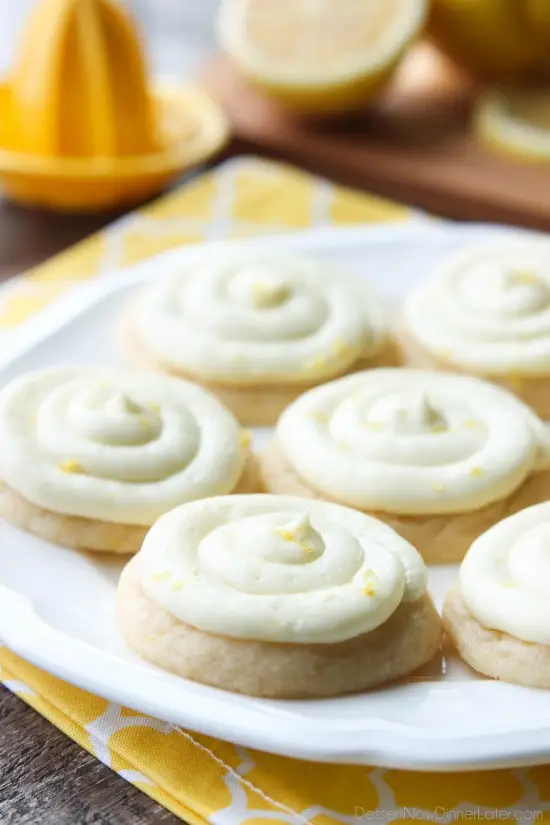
(498, 613)
(439, 457)
(91, 457)
(278, 597)
(257, 330)
(486, 312)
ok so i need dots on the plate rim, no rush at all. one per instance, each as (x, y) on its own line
(375, 741)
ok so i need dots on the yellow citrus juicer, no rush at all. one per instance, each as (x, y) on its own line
(82, 126)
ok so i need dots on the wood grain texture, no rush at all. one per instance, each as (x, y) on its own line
(47, 779)
(30, 236)
(414, 146)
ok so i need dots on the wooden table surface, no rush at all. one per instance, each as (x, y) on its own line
(47, 779)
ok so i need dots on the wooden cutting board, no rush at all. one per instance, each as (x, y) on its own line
(414, 146)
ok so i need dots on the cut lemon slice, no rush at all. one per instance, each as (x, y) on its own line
(319, 55)
(515, 121)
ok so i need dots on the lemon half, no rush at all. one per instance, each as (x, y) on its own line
(515, 121)
(319, 55)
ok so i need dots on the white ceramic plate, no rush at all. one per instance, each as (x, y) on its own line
(56, 605)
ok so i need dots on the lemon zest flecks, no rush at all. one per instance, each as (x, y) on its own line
(340, 347)
(318, 415)
(525, 277)
(154, 407)
(161, 577)
(317, 362)
(286, 535)
(245, 438)
(438, 428)
(177, 585)
(473, 424)
(437, 486)
(476, 472)
(70, 466)
(369, 583)
(144, 422)
(291, 536)
(444, 354)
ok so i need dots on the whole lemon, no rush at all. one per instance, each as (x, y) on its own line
(493, 38)
(538, 15)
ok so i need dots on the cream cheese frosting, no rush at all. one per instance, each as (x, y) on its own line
(487, 309)
(116, 446)
(412, 441)
(278, 569)
(246, 318)
(505, 576)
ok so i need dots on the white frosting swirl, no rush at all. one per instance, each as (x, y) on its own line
(408, 441)
(278, 569)
(116, 446)
(487, 309)
(243, 318)
(505, 576)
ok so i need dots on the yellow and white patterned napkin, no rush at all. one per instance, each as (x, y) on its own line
(200, 779)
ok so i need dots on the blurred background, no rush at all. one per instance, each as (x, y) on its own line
(177, 33)
(436, 119)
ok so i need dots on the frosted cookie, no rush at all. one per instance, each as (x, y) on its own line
(439, 457)
(498, 613)
(486, 311)
(91, 457)
(257, 330)
(278, 597)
